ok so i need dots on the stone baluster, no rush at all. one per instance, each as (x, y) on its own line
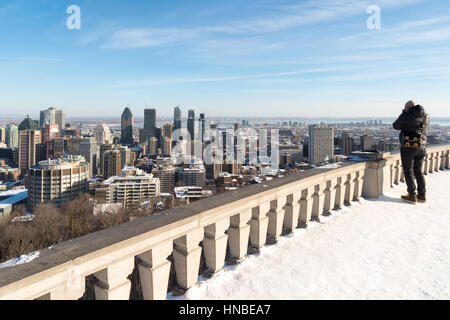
(425, 165)
(306, 207)
(446, 159)
(318, 201)
(437, 161)
(258, 226)
(215, 245)
(276, 218)
(431, 162)
(392, 174)
(349, 188)
(330, 196)
(442, 166)
(154, 271)
(238, 235)
(112, 283)
(340, 193)
(397, 172)
(291, 212)
(186, 256)
(359, 182)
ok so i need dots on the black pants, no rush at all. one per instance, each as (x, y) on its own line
(412, 162)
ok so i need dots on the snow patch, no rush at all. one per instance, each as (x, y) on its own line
(21, 260)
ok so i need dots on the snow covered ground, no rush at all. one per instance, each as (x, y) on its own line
(376, 249)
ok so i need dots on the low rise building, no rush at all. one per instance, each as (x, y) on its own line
(131, 187)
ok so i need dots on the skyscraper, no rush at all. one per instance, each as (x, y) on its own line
(176, 118)
(102, 134)
(112, 163)
(2, 135)
(29, 124)
(321, 143)
(149, 124)
(12, 136)
(191, 124)
(52, 116)
(90, 151)
(202, 125)
(29, 145)
(167, 130)
(103, 149)
(127, 127)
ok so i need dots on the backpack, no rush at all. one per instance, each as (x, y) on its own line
(412, 140)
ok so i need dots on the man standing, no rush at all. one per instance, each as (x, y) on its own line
(413, 124)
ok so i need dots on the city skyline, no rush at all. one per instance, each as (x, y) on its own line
(288, 58)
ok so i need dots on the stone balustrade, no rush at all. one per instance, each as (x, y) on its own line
(221, 229)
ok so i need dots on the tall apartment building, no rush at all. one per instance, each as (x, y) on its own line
(57, 181)
(131, 187)
(149, 124)
(12, 136)
(166, 146)
(112, 163)
(103, 148)
(321, 143)
(194, 176)
(152, 145)
(52, 116)
(127, 124)
(29, 148)
(167, 177)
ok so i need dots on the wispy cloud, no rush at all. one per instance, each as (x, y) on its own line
(31, 59)
(181, 80)
(285, 17)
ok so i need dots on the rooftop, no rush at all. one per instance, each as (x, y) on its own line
(376, 249)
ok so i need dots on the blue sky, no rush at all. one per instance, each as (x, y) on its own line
(225, 58)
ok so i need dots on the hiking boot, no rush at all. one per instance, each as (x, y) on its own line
(410, 198)
(421, 198)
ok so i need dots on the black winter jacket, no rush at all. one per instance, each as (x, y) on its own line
(414, 120)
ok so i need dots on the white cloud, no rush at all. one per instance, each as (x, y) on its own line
(284, 17)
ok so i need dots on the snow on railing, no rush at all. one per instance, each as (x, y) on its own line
(203, 235)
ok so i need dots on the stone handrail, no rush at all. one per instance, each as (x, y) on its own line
(241, 222)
